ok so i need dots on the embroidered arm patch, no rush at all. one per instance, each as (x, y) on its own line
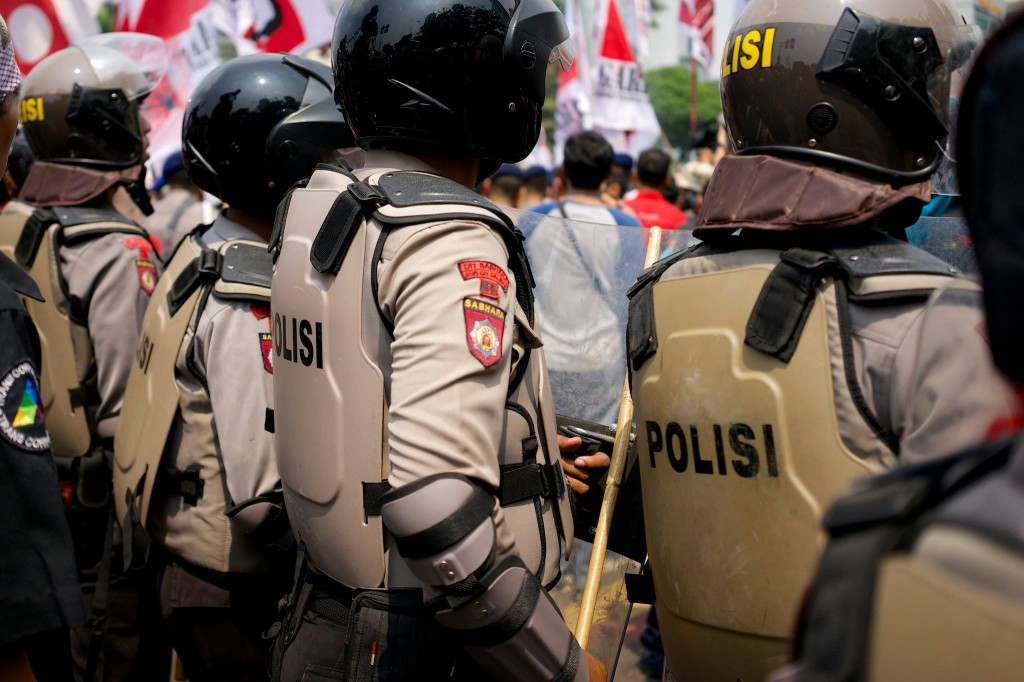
(493, 279)
(485, 324)
(21, 410)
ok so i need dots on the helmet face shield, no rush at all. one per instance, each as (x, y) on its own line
(962, 45)
(537, 36)
(133, 62)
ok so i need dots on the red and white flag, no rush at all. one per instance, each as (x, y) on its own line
(697, 19)
(572, 101)
(41, 27)
(199, 34)
(621, 109)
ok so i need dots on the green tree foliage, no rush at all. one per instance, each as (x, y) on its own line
(669, 90)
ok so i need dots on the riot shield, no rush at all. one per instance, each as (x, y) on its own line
(947, 238)
(583, 271)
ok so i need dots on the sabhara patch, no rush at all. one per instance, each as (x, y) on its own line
(147, 275)
(485, 324)
(21, 419)
(266, 347)
(493, 279)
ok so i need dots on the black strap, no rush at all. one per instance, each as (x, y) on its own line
(572, 663)
(339, 228)
(518, 482)
(100, 603)
(529, 481)
(514, 620)
(32, 235)
(83, 395)
(373, 493)
(187, 483)
(444, 534)
(204, 268)
(785, 302)
(268, 421)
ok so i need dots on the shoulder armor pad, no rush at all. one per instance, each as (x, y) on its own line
(245, 272)
(888, 256)
(239, 269)
(73, 216)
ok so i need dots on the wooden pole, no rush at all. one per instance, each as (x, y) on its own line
(620, 452)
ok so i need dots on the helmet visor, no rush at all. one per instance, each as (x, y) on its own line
(564, 54)
(961, 45)
(134, 62)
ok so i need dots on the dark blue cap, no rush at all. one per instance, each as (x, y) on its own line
(624, 160)
(508, 169)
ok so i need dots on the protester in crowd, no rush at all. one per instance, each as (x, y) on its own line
(505, 186)
(649, 203)
(536, 187)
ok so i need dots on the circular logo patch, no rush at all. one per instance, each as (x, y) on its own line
(485, 338)
(21, 419)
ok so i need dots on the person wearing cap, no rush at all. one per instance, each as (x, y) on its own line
(536, 188)
(177, 211)
(505, 186)
(81, 110)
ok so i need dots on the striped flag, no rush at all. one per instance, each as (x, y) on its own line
(697, 18)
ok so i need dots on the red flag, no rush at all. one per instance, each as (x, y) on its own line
(697, 17)
(621, 109)
(39, 30)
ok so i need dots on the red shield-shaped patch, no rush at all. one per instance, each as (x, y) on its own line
(266, 345)
(485, 324)
(147, 275)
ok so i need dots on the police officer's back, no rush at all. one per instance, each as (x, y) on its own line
(795, 350)
(415, 434)
(80, 109)
(194, 466)
(923, 575)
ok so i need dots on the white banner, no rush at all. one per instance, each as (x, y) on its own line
(621, 109)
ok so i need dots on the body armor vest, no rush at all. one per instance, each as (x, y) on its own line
(734, 381)
(924, 571)
(329, 337)
(68, 374)
(154, 399)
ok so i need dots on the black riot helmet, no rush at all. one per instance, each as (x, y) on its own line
(990, 148)
(455, 77)
(257, 125)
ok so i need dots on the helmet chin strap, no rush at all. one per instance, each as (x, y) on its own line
(138, 192)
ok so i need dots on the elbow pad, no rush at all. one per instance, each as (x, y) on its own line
(498, 611)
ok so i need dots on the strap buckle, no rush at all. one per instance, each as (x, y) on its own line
(187, 483)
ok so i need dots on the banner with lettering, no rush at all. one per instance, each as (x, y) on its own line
(621, 109)
(572, 101)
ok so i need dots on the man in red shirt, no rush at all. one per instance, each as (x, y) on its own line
(649, 205)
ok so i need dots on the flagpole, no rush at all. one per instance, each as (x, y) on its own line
(693, 89)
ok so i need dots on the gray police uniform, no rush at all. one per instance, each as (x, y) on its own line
(415, 434)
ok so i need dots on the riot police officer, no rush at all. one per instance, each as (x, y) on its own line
(922, 576)
(40, 599)
(414, 427)
(81, 112)
(194, 466)
(794, 351)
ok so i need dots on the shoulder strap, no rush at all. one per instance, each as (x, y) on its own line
(884, 514)
(410, 192)
(239, 269)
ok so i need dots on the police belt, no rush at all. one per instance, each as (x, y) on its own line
(519, 482)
